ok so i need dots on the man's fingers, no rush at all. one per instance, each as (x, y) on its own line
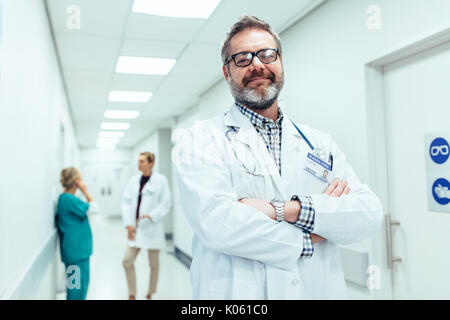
(339, 189)
(315, 238)
(346, 190)
(331, 187)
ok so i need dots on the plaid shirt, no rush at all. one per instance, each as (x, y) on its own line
(270, 132)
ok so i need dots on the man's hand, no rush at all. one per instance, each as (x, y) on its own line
(131, 232)
(146, 216)
(337, 188)
(315, 238)
(261, 205)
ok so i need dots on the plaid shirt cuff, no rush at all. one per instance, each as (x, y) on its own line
(306, 217)
(308, 248)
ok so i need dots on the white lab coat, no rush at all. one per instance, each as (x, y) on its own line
(155, 201)
(239, 252)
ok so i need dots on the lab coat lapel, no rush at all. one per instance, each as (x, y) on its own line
(247, 134)
(294, 150)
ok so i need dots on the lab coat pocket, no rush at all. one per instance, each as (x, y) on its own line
(313, 185)
(249, 184)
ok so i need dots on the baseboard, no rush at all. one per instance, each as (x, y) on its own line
(183, 257)
(28, 282)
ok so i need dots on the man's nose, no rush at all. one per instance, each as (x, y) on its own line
(256, 64)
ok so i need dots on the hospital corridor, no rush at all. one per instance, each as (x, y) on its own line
(208, 150)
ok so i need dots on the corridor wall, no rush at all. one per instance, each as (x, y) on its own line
(37, 138)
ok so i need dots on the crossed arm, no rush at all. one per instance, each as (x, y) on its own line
(292, 208)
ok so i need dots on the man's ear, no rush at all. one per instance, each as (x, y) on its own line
(225, 72)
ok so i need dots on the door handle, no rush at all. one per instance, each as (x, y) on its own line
(390, 257)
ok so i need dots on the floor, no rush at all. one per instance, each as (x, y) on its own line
(107, 280)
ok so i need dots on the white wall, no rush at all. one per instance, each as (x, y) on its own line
(323, 57)
(33, 107)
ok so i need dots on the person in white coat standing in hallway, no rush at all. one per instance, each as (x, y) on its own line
(146, 201)
(267, 219)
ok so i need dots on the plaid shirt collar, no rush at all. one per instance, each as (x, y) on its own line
(258, 120)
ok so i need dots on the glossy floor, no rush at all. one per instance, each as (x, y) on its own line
(107, 280)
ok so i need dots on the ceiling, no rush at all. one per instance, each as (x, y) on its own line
(109, 29)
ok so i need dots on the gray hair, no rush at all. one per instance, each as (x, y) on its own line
(244, 23)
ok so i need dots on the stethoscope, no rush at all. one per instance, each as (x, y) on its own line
(316, 151)
(227, 134)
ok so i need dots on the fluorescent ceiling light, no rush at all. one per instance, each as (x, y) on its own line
(176, 8)
(144, 65)
(115, 125)
(129, 96)
(121, 114)
(108, 140)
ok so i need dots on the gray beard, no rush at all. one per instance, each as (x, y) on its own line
(252, 99)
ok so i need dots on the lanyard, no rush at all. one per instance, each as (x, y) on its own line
(303, 136)
(310, 144)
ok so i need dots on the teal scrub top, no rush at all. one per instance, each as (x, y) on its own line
(73, 228)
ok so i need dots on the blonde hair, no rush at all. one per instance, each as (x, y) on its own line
(68, 177)
(149, 155)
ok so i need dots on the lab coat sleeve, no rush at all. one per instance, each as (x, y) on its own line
(126, 206)
(349, 218)
(165, 202)
(219, 220)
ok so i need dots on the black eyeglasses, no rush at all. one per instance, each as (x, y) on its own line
(243, 59)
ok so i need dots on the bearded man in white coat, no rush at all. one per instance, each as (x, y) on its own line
(145, 203)
(267, 219)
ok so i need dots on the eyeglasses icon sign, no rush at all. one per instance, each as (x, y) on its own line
(436, 150)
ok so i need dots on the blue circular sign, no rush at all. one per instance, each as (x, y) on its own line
(439, 150)
(441, 191)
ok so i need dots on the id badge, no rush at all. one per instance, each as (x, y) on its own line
(317, 166)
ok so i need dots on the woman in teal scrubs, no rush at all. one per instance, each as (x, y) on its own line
(74, 233)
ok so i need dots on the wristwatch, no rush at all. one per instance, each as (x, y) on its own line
(279, 209)
(296, 198)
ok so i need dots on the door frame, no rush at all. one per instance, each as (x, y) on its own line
(376, 133)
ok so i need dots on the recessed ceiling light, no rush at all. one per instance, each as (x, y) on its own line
(121, 114)
(111, 134)
(115, 125)
(176, 8)
(129, 96)
(108, 140)
(144, 65)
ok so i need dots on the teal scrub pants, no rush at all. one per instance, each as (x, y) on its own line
(77, 287)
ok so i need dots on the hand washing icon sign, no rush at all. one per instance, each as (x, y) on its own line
(441, 192)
